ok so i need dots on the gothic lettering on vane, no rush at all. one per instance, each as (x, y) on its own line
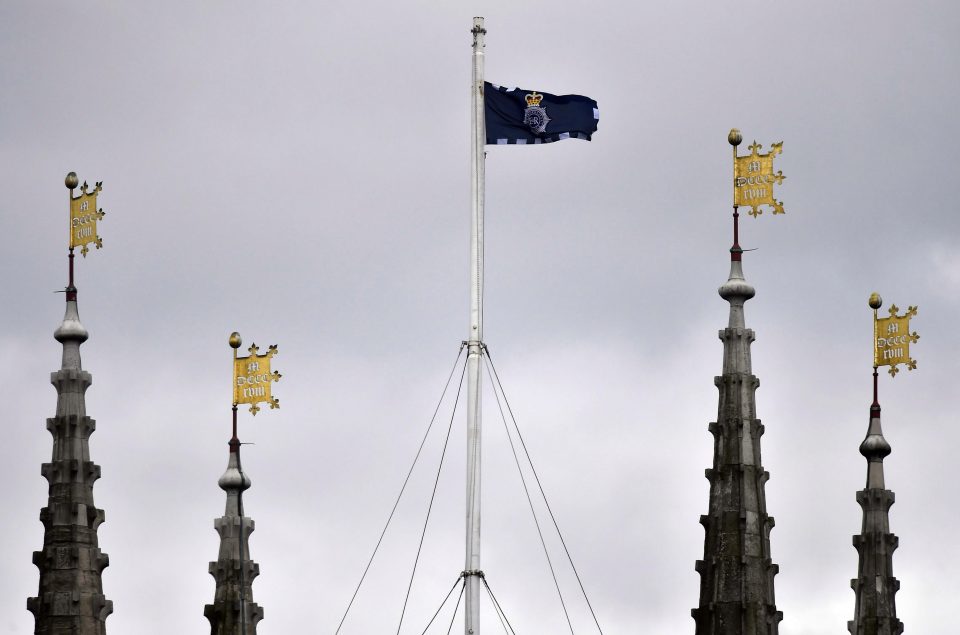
(754, 179)
(891, 345)
(84, 215)
(252, 379)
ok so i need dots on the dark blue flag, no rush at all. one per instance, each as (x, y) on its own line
(514, 115)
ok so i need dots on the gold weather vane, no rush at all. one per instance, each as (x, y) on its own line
(252, 377)
(84, 215)
(754, 178)
(892, 337)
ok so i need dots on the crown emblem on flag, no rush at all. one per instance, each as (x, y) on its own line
(535, 116)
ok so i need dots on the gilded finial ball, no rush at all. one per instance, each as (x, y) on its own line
(71, 181)
(734, 137)
(235, 340)
(875, 301)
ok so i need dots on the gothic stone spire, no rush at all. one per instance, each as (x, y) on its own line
(70, 600)
(233, 611)
(736, 573)
(875, 586)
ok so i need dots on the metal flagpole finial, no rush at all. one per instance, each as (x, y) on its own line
(478, 33)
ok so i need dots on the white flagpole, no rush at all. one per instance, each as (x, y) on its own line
(472, 571)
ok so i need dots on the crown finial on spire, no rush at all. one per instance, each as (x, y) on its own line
(874, 446)
(736, 290)
(234, 480)
(70, 329)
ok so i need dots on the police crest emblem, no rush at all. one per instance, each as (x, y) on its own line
(535, 116)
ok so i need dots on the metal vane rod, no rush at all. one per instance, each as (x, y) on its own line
(71, 182)
(875, 303)
(235, 341)
(735, 138)
(70, 286)
(472, 571)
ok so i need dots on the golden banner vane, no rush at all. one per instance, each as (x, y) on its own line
(892, 337)
(754, 178)
(84, 215)
(252, 377)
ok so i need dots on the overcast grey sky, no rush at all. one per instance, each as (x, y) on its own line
(299, 172)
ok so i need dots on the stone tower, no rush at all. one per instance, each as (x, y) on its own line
(70, 600)
(736, 573)
(233, 611)
(875, 586)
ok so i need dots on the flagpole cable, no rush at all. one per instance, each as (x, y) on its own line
(433, 495)
(496, 609)
(402, 489)
(546, 502)
(497, 606)
(453, 618)
(526, 491)
(442, 604)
